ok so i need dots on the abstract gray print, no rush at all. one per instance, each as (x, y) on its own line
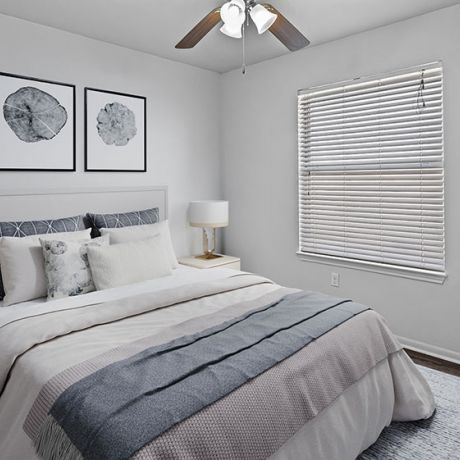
(116, 124)
(34, 115)
(115, 131)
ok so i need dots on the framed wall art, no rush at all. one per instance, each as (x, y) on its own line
(115, 131)
(37, 124)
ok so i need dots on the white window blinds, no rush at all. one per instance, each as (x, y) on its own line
(371, 182)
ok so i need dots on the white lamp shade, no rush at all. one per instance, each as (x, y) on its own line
(233, 11)
(262, 18)
(209, 214)
(234, 32)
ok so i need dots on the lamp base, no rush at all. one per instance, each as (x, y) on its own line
(208, 256)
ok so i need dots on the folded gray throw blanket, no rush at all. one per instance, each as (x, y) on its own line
(117, 410)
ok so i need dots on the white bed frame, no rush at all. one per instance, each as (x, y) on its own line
(19, 205)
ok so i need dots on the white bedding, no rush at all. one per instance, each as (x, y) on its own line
(40, 364)
(353, 421)
(182, 275)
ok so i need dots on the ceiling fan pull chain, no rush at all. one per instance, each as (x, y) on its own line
(244, 51)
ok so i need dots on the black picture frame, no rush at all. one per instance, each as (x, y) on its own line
(72, 167)
(143, 168)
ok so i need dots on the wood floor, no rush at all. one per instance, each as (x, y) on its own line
(434, 363)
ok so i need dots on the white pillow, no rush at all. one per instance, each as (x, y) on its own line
(142, 232)
(126, 263)
(23, 268)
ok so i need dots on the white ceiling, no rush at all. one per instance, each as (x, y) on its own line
(155, 26)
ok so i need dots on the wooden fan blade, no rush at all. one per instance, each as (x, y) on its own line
(285, 32)
(200, 30)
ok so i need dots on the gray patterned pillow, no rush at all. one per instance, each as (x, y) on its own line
(67, 267)
(39, 227)
(125, 219)
(42, 227)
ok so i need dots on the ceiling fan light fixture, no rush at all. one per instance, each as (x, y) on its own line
(232, 30)
(233, 11)
(263, 19)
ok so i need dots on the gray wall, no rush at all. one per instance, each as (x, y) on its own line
(183, 115)
(259, 168)
(258, 149)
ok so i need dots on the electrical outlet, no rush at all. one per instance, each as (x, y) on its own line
(335, 279)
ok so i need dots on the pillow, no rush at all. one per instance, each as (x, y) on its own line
(22, 262)
(67, 268)
(125, 219)
(42, 227)
(142, 232)
(126, 263)
(39, 227)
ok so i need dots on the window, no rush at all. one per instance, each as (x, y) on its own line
(371, 179)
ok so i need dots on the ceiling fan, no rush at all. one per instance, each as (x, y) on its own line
(235, 16)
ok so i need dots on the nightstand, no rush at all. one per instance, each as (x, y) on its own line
(223, 262)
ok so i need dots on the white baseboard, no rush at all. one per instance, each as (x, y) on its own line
(437, 352)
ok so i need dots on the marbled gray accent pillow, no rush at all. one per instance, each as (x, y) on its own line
(67, 268)
(124, 219)
(39, 227)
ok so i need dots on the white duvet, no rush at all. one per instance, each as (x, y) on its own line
(38, 365)
(181, 276)
(347, 426)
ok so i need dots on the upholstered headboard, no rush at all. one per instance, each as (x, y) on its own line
(18, 205)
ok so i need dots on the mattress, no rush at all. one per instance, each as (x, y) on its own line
(329, 400)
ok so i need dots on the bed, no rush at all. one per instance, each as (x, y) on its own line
(201, 364)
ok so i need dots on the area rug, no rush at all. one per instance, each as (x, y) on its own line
(437, 438)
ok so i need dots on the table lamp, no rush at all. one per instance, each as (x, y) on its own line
(209, 215)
